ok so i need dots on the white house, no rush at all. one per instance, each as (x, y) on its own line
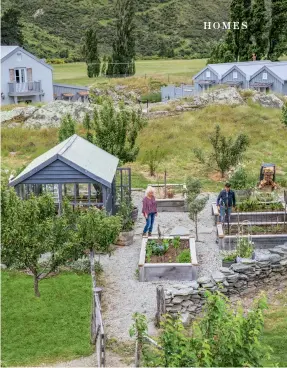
(24, 77)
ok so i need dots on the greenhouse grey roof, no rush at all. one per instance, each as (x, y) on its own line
(80, 154)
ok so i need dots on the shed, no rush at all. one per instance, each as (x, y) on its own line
(76, 169)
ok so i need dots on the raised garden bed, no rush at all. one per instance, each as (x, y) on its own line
(264, 241)
(170, 200)
(260, 229)
(252, 216)
(161, 260)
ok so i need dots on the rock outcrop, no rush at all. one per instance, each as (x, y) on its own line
(268, 100)
(52, 113)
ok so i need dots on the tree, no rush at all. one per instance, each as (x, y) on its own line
(116, 130)
(195, 203)
(87, 123)
(277, 33)
(124, 45)
(258, 28)
(67, 127)
(96, 230)
(104, 65)
(90, 52)
(11, 28)
(284, 114)
(152, 158)
(31, 228)
(226, 151)
(223, 337)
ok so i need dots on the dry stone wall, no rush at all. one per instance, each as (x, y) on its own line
(269, 267)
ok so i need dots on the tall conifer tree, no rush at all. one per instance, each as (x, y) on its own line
(277, 34)
(259, 24)
(90, 51)
(124, 44)
(11, 28)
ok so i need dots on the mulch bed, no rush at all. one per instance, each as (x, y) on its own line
(171, 255)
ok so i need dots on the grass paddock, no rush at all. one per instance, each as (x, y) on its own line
(51, 328)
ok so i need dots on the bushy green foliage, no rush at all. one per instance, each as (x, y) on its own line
(97, 231)
(240, 179)
(125, 211)
(123, 55)
(117, 129)
(227, 152)
(90, 52)
(11, 28)
(88, 125)
(151, 97)
(31, 228)
(184, 256)
(153, 158)
(67, 127)
(221, 338)
(83, 265)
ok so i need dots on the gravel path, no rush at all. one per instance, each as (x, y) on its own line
(124, 295)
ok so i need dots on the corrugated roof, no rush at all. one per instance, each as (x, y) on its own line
(80, 154)
(6, 50)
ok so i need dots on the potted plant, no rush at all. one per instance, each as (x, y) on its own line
(229, 258)
(125, 210)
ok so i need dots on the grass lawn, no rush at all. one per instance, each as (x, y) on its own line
(177, 136)
(51, 328)
(275, 332)
(172, 70)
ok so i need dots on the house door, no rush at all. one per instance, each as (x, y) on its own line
(21, 79)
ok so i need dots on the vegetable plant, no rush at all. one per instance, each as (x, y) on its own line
(176, 243)
(184, 256)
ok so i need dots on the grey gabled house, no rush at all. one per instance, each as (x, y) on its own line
(24, 77)
(213, 74)
(271, 77)
(76, 169)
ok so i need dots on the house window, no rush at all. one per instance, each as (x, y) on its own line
(207, 74)
(20, 75)
(234, 75)
(264, 75)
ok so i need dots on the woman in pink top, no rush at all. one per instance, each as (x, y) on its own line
(149, 210)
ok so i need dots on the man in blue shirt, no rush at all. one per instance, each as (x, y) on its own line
(225, 202)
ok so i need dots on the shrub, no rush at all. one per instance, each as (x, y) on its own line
(152, 158)
(284, 114)
(151, 97)
(184, 256)
(239, 179)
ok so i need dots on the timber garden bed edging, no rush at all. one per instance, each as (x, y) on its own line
(167, 271)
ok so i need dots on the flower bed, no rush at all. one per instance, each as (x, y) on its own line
(261, 229)
(168, 258)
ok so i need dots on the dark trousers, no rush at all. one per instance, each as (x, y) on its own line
(149, 223)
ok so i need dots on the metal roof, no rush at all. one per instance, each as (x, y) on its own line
(80, 154)
(279, 70)
(7, 51)
(222, 68)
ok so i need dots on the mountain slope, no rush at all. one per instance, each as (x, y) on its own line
(170, 24)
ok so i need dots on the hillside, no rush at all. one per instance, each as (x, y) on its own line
(53, 27)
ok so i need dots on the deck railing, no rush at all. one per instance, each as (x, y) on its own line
(24, 87)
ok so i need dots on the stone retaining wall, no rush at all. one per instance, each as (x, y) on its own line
(270, 267)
